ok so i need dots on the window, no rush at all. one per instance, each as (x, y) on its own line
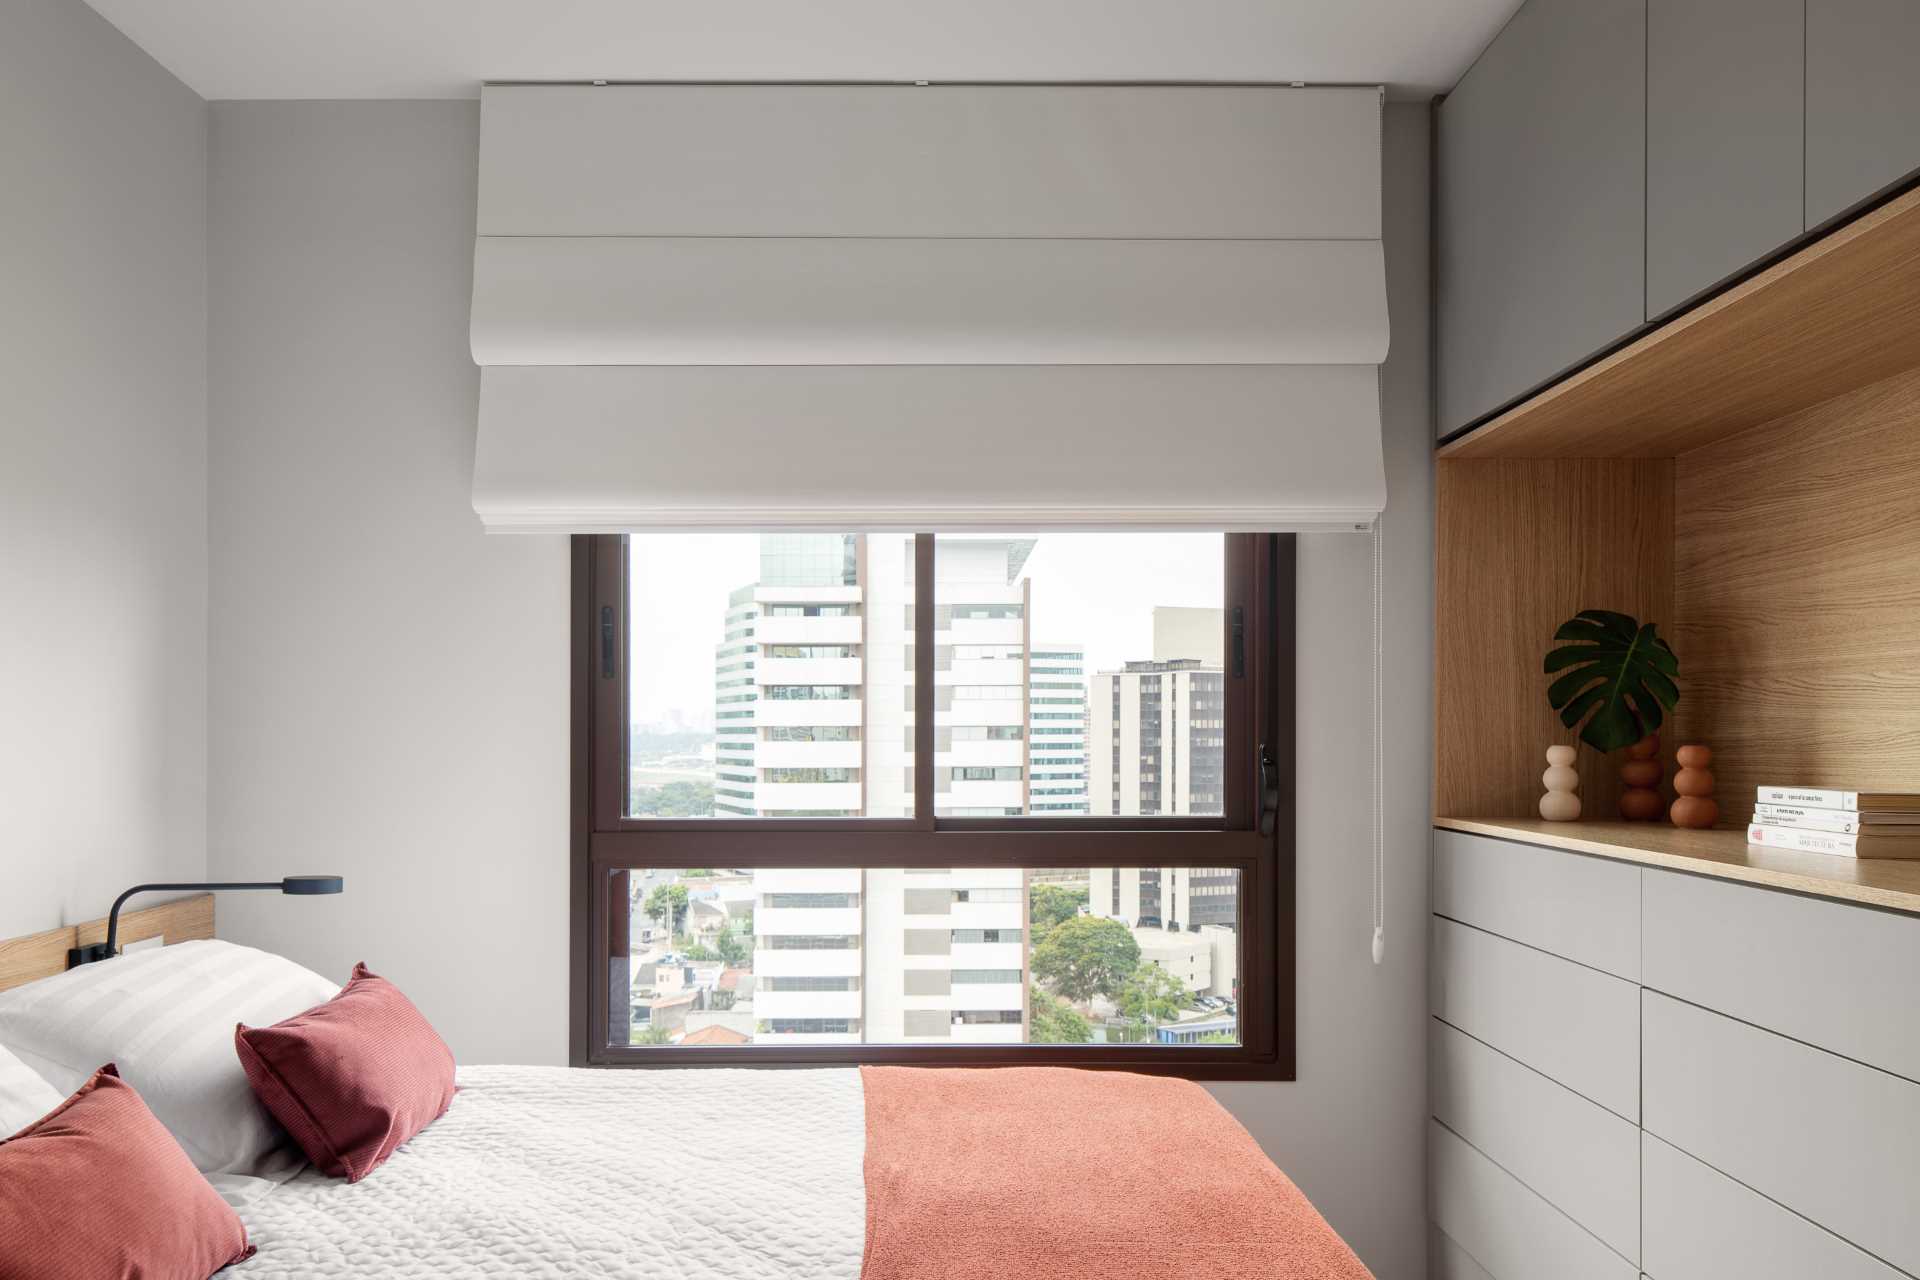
(811, 733)
(898, 798)
(811, 900)
(812, 773)
(812, 651)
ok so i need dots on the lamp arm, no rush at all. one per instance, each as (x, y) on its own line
(113, 916)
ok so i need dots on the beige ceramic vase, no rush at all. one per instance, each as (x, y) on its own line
(1560, 804)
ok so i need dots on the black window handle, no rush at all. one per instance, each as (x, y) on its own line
(1269, 791)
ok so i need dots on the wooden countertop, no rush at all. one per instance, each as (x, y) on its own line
(1892, 883)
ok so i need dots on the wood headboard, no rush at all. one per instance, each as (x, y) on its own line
(41, 955)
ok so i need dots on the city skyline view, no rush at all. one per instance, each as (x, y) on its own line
(728, 957)
(1088, 593)
(808, 666)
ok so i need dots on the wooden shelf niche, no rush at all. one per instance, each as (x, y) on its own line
(1780, 557)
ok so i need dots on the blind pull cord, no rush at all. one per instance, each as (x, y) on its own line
(1379, 749)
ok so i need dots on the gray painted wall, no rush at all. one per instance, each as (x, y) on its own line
(103, 499)
(391, 700)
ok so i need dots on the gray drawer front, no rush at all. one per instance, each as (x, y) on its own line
(1702, 1225)
(1579, 1157)
(1586, 909)
(1835, 1141)
(1508, 1230)
(1840, 977)
(1570, 1023)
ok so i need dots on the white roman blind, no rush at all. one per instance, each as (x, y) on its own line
(931, 307)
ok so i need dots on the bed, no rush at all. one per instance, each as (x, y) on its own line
(548, 1172)
(875, 1173)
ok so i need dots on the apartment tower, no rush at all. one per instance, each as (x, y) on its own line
(1156, 734)
(815, 712)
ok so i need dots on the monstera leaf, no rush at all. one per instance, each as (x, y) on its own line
(1619, 676)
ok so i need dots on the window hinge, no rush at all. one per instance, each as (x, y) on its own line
(606, 642)
(1269, 790)
(1239, 641)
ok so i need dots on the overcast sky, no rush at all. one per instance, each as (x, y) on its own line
(1096, 590)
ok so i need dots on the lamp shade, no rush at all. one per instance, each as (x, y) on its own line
(312, 884)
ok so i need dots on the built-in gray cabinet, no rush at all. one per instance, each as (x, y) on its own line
(1747, 1109)
(1863, 101)
(1540, 189)
(1725, 156)
(1606, 163)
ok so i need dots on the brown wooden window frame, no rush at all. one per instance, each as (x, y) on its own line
(1259, 711)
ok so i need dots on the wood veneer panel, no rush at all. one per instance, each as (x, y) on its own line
(41, 955)
(1797, 598)
(1839, 314)
(1522, 546)
(35, 956)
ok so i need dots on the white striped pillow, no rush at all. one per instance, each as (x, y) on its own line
(166, 1016)
(24, 1096)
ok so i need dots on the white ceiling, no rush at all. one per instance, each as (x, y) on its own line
(445, 48)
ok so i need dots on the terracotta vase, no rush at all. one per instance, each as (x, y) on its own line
(1640, 800)
(1694, 805)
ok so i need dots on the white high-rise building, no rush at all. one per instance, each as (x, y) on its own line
(825, 682)
(734, 696)
(947, 956)
(807, 955)
(980, 677)
(1057, 730)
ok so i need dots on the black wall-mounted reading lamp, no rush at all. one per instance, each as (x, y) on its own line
(298, 885)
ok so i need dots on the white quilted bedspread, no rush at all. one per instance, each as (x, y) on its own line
(544, 1172)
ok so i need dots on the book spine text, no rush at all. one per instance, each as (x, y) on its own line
(1804, 841)
(1810, 798)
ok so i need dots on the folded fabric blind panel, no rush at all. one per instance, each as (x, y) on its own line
(928, 307)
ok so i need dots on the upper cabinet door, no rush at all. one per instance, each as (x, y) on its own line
(1725, 169)
(1863, 101)
(1540, 253)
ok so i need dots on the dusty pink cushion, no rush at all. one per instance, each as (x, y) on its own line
(99, 1190)
(353, 1078)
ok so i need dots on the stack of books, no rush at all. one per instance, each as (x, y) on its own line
(1847, 824)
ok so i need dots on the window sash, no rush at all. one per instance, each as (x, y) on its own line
(1250, 686)
(1259, 651)
(1266, 998)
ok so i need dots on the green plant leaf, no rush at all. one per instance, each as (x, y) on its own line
(1615, 673)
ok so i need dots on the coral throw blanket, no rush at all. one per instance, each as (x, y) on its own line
(1053, 1173)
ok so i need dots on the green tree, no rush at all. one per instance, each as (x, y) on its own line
(667, 903)
(1086, 956)
(1218, 1037)
(1057, 1022)
(732, 948)
(678, 799)
(1054, 904)
(701, 951)
(1151, 996)
(652, 1035)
